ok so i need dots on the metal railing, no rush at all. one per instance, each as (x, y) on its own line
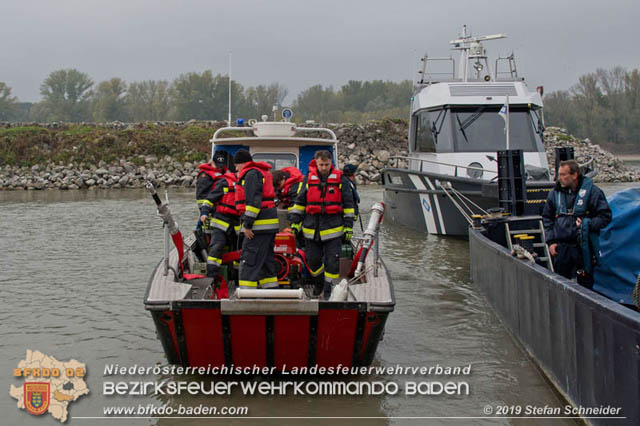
(440, 163)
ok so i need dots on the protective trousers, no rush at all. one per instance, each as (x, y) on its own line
(219, 240)
(324, 256)
(568, 263)
(258, 263)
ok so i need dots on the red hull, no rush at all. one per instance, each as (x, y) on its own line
(342, 333)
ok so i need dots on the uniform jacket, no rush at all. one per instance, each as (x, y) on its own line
(561, 228)
(254, 198)
(324, 226)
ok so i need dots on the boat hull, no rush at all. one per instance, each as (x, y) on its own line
(200, 334)
(587, 345)
(416, 200)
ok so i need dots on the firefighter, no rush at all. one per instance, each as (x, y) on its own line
(349, 171)
(215, 194)
(324, 212)
(259, 222)
(287, 182)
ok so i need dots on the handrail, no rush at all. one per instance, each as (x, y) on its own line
(422, 160)
(222, 129)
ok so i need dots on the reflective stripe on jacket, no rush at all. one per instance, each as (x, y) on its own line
(254, 198)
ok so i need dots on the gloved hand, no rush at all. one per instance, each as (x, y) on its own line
(296, 227)
(348, 233)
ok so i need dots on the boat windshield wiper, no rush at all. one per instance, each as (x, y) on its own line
(436, 125)
(462, 127)
(473, 117)
(469, 120)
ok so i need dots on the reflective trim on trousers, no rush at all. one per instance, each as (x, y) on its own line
(266, 224)
(317, 271)
(271, 282)
(329, 234)
(248, 284)
(214, 261)
(329, 277)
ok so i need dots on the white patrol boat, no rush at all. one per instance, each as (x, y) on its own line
(202, 323)
(460, 118)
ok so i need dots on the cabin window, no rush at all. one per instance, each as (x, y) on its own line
(433, 131)
(278, 161)
(482, 129)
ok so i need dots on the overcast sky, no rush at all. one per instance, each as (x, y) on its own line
(299, 43)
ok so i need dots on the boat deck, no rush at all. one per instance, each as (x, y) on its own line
(164, 289)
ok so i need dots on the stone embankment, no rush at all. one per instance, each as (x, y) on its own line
(93, 160)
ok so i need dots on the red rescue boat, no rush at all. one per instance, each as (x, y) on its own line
(202, 325)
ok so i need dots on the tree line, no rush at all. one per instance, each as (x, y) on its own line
(72, 96)
(603, 106)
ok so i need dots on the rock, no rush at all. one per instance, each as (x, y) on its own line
(383, 156)
(101, 171)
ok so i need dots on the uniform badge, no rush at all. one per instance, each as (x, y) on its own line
(582, 192)
(580, 202)
(36, 397)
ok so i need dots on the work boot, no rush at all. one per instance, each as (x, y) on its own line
(326, 291)
(212, 270)
(318, 285)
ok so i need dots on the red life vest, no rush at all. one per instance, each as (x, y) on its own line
(227, 204)
(268, 193)
(295, 176)
(327, 200)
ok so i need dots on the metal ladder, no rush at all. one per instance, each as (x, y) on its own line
(542, 242)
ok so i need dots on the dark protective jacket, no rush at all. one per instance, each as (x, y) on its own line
(215, 194)
(255, 198)
(587, 202)
(291, 186)
(356, 198)
(324, 205)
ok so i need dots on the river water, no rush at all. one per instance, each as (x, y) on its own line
(75, 266)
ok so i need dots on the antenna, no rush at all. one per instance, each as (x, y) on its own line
(229, 119)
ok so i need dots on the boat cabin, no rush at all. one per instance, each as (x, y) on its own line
(280, 144)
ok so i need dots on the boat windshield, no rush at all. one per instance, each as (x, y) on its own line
(477, 129)
(278, 161)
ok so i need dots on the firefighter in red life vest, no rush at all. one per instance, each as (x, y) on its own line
(287, 182)
(259, 222)
(323, 212)
(215, 194)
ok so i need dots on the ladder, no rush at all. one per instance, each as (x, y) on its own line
(539, 241)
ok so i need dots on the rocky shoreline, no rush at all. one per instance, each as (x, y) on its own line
(369, 146)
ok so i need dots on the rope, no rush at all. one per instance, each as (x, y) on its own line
(455, 203)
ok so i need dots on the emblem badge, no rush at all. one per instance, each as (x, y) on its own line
(36, 398)
(582, 192)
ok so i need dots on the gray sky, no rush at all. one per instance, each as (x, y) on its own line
(299, 43)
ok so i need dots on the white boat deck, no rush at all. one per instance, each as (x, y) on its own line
(164, 288)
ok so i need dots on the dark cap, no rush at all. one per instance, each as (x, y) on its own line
(242, 156)
(349, 169)
(220, 157)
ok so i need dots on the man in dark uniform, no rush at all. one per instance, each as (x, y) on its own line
(255, 202)
(215, 195)
(287, 182)
(349, 171)
(324, 212)
(575, 212)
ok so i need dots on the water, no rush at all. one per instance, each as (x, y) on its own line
(75, 267)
